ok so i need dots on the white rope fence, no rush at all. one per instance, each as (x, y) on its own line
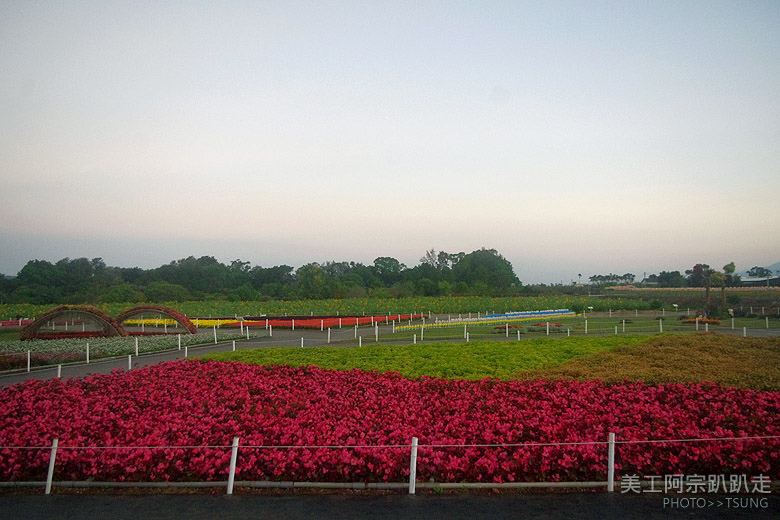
(414, 446)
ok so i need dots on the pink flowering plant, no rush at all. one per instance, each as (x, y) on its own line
(178, 420)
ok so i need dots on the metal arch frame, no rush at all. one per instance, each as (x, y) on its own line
(180, 318)
(111, 327)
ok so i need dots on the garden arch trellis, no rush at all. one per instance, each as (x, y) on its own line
(165, 312)
(73, 321)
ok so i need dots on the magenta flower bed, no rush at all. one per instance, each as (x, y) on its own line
(190, 403)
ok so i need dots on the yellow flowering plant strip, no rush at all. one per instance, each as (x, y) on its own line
(485, 321)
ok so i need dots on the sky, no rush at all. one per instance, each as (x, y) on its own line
(572, 137)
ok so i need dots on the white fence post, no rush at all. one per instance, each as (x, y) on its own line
(28, 360)
(301, 342)
(179, 341)
(136, 347)
(586, 327)
(52, 459)
(413, 467)
(215, 335)
(611, 464)
(59, 370)
(661, 325)
(87, 353)
(328, 335)
(233, 456)
(129, 362)
(744, 332)
(234, 345)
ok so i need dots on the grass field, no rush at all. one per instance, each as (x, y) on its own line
(671, 358)
(620, 323)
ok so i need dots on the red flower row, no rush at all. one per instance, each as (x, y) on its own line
(206, 404)
(329, 322)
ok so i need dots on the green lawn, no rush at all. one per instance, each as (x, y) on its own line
(474, 360)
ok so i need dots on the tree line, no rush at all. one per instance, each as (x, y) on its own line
(484, 272)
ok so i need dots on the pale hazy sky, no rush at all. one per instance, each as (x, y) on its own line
(573, 137)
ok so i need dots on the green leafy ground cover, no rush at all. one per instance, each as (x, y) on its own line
(752, 363)
(474, 360)
(358, 306)
(13, 353)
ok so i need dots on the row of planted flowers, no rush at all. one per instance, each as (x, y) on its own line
(180, 405)
(323, 322)
(43, 352)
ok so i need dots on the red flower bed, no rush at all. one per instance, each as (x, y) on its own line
(702, 320)
(14, 323)
(545, 325)
(206, 404)
(316, 323)
(504, 327)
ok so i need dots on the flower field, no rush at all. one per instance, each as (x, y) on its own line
(13, 354)
(206, 404)
(358, 306)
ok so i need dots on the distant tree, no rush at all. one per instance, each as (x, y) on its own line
(426, 287)
(122, 293)
(273, 277)
(388, 269)
(701, 276)
(366, 273)
(445, 288)
(759, 272)
(430, 258)
(671, 279)
(312, 282)
(166, 292)
(6, 286)
(489, 268)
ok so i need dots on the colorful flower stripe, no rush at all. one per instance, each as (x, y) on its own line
(475, 321)
(206, 404)
(326, 323)
(15, 323)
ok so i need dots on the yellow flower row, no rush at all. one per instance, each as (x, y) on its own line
(504, 321)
